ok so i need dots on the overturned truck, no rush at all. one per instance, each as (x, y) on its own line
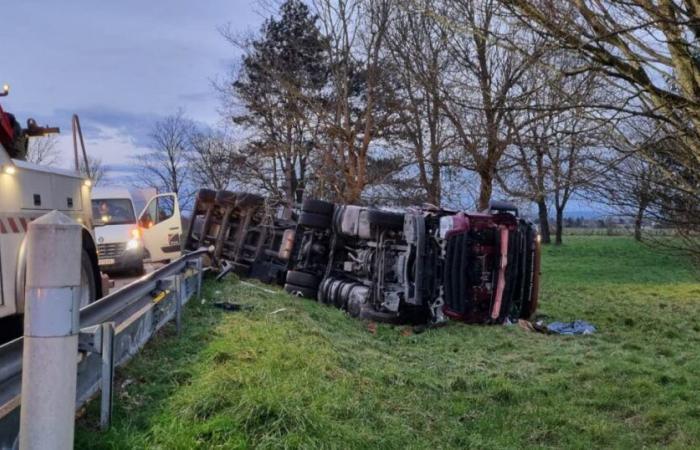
(420, 265)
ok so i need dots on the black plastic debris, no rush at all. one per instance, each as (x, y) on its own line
(232, 307)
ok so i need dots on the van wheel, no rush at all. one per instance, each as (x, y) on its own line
(88, 290)
(138, 271)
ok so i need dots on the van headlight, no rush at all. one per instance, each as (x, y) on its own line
(133, 244)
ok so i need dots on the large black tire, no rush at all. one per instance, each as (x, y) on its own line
(302, 279)
(88, 287)
(206, 195)
(226, 198)
(501, 206)
(324, 291)
(246, 200)
(317, 207)
(313, 220)
(341, 299)
(385, 219)
(300, 291)
(138, 270)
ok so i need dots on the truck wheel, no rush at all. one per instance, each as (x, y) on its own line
(312, 220)
(302, 279)
(387, 219)
(88, 290)
(206, 195)
(317, 207)
(247, 200)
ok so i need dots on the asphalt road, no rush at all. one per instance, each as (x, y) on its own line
(122, 280)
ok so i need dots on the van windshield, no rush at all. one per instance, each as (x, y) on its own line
(112, 211)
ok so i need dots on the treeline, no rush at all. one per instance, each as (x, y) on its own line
(456, 102)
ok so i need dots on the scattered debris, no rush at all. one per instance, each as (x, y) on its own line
(538, 326)
(525, 325)
(577, 327)
(225, 270)
(372, 327)
(229, 306)
(571, 328)
(278, 311)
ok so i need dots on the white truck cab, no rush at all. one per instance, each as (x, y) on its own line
(125, 239)
(119, 241)
(28, 191)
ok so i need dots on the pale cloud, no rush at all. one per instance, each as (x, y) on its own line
(120, 65)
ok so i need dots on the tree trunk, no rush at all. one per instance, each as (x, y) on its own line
(435, 190)
(486, 189)
(560, 226)
(544, 221)
(638, 224)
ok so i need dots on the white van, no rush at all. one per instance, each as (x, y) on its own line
(125, 240)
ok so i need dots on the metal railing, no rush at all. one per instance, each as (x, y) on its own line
(112, 331)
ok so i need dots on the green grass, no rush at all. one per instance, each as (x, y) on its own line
(294, 374)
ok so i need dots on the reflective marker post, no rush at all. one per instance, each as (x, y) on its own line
(51, 326)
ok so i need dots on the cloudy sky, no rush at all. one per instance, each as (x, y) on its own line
(121, 65)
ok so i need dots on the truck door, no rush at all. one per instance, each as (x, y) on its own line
(161, 226)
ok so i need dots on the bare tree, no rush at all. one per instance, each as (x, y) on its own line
(419, 49)
(98, 172)
(165, 166)
(356, 114)
(524, 171)
(648, 51)
(215, 160)
(629, 186)
(648, 47)
(568, 164)
(482, 89)
(553, 149)
(43, 150)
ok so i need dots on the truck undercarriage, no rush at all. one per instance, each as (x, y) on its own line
(421, 265)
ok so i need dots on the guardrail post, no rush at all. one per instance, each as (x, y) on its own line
(107, 378)
(51, 326)
(200, 264)
(178, 303)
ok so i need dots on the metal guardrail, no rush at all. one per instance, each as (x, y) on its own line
(113, 330)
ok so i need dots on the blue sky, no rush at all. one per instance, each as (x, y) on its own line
(121, 65)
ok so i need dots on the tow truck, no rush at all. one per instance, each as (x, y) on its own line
(28, 191)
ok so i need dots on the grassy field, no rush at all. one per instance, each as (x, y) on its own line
(292, 373)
